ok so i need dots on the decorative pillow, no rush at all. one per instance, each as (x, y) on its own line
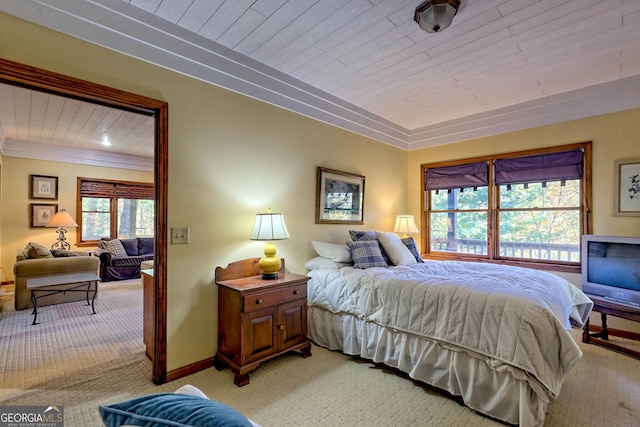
(321, 262)
(130, 246)
(36, 251)
(366, 254)
(413, 248)
(397, 251)
(61, 253)
(171, 409)
(332, 251)
(362, 236)
(145, 245)
(114, 246)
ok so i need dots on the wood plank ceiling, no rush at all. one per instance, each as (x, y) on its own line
(371, 57)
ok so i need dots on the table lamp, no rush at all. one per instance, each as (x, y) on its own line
(269, 226)
(61, 220)
(406, 225)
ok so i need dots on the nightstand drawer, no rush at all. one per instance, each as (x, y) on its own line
(261, 300)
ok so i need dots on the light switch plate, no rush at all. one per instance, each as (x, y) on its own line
(179, 235)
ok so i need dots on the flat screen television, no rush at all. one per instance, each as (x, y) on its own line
(611, 268)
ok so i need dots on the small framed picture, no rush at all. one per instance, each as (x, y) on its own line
(627, 193)
(43, 187)
(42, 214)
(339, 197)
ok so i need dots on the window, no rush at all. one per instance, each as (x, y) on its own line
(114, 209)
(525, 207)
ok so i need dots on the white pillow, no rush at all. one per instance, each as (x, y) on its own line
(195, 391)
(191, 390)
(398, 252)
(332, 251)
(321, 262)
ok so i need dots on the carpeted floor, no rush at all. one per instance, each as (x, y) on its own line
(81, 361)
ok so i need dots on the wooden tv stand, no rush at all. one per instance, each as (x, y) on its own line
(600, 335)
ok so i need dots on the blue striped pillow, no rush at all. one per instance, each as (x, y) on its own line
(411, 244)
(366, 254)
(363, 236)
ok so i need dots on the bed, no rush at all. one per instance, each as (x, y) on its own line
(495, 335)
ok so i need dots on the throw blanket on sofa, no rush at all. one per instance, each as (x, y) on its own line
(514, 315)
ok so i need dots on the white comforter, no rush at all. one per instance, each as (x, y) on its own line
(513, 315)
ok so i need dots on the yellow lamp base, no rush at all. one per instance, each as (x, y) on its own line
(270, 264)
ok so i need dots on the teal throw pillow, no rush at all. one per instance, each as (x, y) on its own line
(171, 409)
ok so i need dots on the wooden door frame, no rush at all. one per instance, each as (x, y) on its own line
(29, 77)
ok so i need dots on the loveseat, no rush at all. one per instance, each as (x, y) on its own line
(36, 260)
(120, 259)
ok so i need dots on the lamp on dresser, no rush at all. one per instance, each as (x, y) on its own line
(406, 225)
(61, 220)
(268, 227)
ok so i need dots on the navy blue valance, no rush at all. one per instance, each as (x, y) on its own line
(540, 168)
(459, 176)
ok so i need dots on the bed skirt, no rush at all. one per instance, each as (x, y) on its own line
(491, 387)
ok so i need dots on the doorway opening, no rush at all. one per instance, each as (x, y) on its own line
(17, 74)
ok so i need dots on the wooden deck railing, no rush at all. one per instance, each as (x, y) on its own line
(546, 251)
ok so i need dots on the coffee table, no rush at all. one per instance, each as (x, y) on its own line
(48, 285)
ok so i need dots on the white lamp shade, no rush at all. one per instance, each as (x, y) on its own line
(269, 226)
(62, 219)
(405, 224)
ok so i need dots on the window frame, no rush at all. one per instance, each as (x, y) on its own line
(493, 237)
(144, 188)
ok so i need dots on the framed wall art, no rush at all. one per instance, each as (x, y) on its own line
(339, 197)
(43, 187)
(627, 192)
(41, 214)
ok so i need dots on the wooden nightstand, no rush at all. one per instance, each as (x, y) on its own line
(258, 319)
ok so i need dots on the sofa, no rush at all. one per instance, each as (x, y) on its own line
(36, 260)
(121, 259)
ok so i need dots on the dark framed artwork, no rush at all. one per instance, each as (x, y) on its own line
(339, 197)
(43, 187)
(41, 214)
(627, 191)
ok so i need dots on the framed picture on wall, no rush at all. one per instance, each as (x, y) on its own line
(627, 192)
(43, 187)
(339, 197)
(41, 214)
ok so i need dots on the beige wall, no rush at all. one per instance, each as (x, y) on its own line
(15, 213)
(229, 157)
(614, 136)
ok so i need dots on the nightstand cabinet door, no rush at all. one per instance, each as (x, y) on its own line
(259, 334)
(292, 323)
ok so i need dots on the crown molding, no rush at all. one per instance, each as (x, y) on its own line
(56, 153)
(591, 101)
(118, 26)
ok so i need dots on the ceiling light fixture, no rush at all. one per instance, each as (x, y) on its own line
(434, 16)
